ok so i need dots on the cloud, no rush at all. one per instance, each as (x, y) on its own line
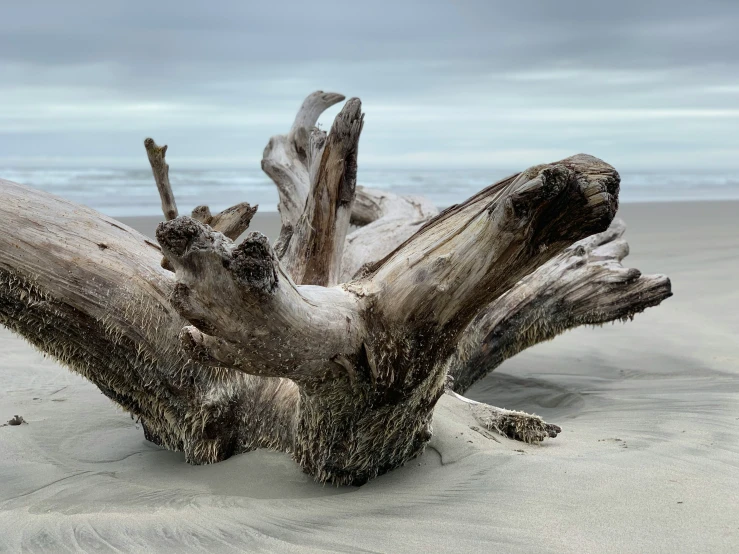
(453, 83)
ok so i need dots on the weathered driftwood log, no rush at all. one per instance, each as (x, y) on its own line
(248, 346)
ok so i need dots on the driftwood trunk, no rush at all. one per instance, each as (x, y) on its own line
(334, 346)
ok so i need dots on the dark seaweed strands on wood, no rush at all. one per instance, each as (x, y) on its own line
(334, 346)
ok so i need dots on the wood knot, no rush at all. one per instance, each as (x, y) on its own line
(178, 234)
(253, 263)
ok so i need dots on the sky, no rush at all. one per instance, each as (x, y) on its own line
(444, 84)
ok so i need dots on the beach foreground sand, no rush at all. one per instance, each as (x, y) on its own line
(648, 459)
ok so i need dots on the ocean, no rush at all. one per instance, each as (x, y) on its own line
(131, 192)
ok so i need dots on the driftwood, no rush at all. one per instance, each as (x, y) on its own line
(334, 346)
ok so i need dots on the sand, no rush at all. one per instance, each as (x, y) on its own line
(648, 460)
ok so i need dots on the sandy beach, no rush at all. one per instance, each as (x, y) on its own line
(648, 460)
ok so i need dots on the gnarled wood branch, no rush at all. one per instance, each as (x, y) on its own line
(264, 323)
(313, 255)
(584, 285)
(160, 169)
(433, 284)
(387, 220)
(233, 221)
(286, 157)
(371, 205)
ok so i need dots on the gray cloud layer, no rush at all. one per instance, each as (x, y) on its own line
(456, 83)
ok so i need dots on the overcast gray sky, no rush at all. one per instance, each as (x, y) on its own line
(457, 83)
